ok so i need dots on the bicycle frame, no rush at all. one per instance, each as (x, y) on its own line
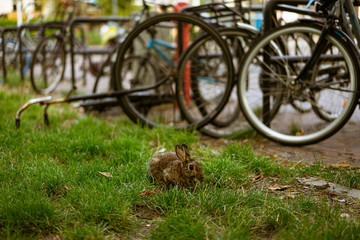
(349, 7)
(155, 43)
(336, 17)
(339, 11)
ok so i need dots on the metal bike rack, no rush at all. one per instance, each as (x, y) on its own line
(46, 101)
(88, 20)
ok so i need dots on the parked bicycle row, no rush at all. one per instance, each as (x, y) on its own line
(280, 80)
(49, 59)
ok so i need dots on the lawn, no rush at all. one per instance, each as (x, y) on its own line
(86, 178)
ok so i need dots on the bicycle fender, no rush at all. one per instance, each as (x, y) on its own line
(247, 27)
(311, 20)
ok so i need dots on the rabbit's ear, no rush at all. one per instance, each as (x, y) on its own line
(180, 153)
(178, 167)
(186, 150)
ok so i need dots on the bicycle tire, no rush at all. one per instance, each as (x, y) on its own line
(170, 111)
(287, 125)
(48, 58)
(204, 65)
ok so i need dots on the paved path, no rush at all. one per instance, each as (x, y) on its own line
(344, 146)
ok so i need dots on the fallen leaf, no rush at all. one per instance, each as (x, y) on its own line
(277, 187)
(291, 194)
(106, 174)
(258, 178)
(343, 165)
(300, 132)
(147, 192)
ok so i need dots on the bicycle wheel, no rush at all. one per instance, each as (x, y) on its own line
(299, 43)
(48, 64)
(153, 44)
(268, 86)
(137, 72)
(207, 83)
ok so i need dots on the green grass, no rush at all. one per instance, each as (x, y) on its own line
(49, 185)
(5, 22)
(93, 36)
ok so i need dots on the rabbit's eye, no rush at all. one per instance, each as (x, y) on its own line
(191, 167)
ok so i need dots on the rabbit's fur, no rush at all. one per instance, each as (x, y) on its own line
(172, 168)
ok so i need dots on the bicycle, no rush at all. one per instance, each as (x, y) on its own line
(272, 77)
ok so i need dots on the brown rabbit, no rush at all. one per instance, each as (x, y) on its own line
(177, 167)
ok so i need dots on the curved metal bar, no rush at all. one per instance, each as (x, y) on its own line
(28, 104)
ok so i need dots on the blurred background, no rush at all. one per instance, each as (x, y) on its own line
(108, 7)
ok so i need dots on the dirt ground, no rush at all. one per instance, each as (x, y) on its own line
(343, 147)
